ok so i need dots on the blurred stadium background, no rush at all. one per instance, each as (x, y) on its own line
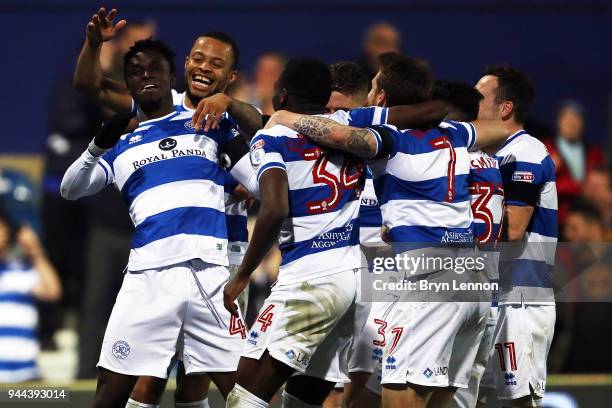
(564, 46)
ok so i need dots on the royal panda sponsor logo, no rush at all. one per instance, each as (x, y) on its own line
(168, 155)
(167, 144)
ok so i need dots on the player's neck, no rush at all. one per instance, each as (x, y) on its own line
(157, 109)
(514, 126)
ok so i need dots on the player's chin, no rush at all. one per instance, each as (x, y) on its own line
(202, 92)
(149, 95)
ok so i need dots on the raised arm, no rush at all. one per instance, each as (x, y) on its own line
(88, 76)
(326, 132)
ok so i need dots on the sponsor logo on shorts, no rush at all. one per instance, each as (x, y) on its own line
(437, 371)
(121, 350)
(301, 359)
(377, 354)
(390, 363)
(253, 337)
(510, 379)
(167, 144)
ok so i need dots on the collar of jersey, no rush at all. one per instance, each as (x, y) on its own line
(168, 116)
(512, 137)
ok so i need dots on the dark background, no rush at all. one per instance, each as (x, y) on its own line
(563, 45)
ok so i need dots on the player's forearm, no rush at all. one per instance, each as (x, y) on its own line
(88, 75)
(89, 79)
(490, 133)
(84, 177)
(326, 132)
(419, 115)
(248, 118)
(49, 288)
(265, 233)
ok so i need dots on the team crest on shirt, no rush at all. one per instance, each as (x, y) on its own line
(257, 153)
(524, 176)
(121, 350)
(167, 144)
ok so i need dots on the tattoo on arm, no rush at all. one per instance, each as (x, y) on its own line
(330, 133)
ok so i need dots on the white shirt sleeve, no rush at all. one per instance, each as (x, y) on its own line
(246, 175)
(86, 176)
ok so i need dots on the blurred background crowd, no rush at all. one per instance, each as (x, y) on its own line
(61, 261)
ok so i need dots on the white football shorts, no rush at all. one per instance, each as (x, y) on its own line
(523, 335)
(308, 326)
(174, 309)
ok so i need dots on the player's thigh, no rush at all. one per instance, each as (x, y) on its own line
(335, 398)
(142, 332)
(212, 338)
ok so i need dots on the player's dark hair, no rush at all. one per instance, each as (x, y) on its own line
(405, 80)
(514, 86)
(226, 39)
(349, 78)
(463, 97)
(587, 210)
(146, 45)
(307, 80)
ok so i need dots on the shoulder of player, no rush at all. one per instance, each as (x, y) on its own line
(276, 131)
(525, 148)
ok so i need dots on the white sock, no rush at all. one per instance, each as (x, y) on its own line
(194, 404)
(289, 401)
(241, 398)
(135, 404)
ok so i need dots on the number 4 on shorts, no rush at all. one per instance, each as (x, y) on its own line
(265, 317)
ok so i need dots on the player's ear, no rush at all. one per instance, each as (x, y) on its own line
(381, 98)
(186, 61)
(173, 80)
(507, 110)
(233, 76)
(283, 96)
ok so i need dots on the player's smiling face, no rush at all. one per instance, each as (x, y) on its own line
(208, 68)
(148, 77)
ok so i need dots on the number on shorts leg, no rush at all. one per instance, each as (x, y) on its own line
(397, 333)
(511, 355)
(382, 325)
(265, 318)
(236, 326)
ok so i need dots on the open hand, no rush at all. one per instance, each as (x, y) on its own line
(101, 27)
